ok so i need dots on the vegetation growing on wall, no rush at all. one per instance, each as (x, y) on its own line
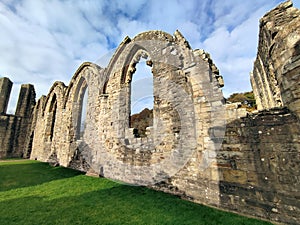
(246, 99)
(141, 121)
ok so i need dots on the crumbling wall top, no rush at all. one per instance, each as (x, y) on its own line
(153, 35)
(276, 69)
(280, 15)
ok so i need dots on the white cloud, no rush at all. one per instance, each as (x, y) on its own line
(191, 30)
(141, 88)
(43, 41)
(133, 27)
(13, 98)
(233, 46)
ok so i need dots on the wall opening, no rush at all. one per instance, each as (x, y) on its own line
(141, 99)
(29, 147)
(13, 100)
(52, 116)
(83, 113)
(80, 103)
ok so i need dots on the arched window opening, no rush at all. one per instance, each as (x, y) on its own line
(52, 116)
(29, 146)
(83, 113)
(141, 99)
(104, 92)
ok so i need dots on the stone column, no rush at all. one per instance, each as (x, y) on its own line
(5, 89)
(26, 101)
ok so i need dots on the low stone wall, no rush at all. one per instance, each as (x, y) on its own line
(8, 126)
(257, 169)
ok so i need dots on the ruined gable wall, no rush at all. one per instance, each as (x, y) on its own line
(275, 77)
(176, 72)
(187, 98)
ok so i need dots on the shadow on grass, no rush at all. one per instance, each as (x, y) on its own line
(86, 200)
(24, 173)
(115, 205)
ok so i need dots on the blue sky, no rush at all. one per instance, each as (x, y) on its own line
(44, 41)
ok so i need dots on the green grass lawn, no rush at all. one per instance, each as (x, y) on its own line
(32, 192)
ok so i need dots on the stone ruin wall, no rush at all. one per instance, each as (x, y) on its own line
(107, 121)
(248, 163)
(275, 78)
(15, 139)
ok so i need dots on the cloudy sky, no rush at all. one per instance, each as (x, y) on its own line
(46, 40)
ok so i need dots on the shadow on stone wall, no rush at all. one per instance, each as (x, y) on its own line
(81, 160)
(259, 166)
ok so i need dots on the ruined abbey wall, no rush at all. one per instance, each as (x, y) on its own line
(198, 147)
(260, 167)
(275, 78)
(181, 77)
(14, 129)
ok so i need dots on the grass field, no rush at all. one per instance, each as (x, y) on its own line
(32, 192)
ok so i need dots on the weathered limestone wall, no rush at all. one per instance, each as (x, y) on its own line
(247, 165)
(8, 125)
(259, 166)
(188, 114)
(57, 117)
(5, 89)
(198, 147)
(256, 172)
(25, 106)
(14, 129)
(276, 73)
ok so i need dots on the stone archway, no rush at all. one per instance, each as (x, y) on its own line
(184, 86)
(76, 149)
(188, 116)
(49, 114)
